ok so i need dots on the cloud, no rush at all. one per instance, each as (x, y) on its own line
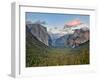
(73, 23)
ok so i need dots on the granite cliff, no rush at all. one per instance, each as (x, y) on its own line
(39, 31)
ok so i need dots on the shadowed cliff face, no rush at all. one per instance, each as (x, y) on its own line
(39, 31)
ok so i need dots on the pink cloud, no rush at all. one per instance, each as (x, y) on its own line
(73, 23)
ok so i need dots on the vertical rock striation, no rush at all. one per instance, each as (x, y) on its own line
(39, 31)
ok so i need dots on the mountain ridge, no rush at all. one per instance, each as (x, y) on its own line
(63, 39)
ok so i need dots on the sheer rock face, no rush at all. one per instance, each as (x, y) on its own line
(39, 31)
(79, 36)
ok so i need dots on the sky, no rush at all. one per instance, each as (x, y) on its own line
(56, 19)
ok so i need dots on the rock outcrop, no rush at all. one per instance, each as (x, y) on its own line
(39, 31)
(79, 36)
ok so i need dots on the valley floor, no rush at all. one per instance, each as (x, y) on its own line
(57, 56)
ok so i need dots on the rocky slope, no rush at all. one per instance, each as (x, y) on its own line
(39, 31)
(79, 36)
